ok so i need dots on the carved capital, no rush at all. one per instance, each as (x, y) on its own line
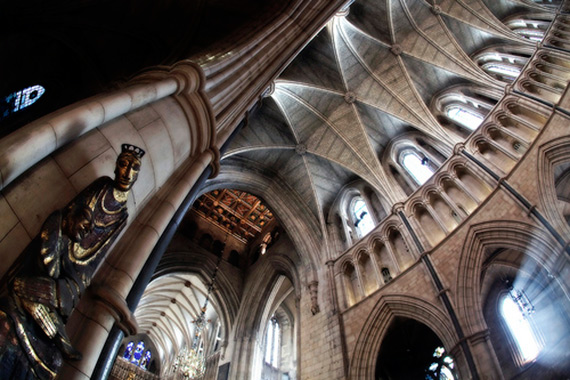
(188, 75)
(458, 148)
(397, 207)
(117, 307)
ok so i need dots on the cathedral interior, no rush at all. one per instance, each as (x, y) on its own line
(331, 189)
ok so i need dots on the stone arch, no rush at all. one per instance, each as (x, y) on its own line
(300, 225)
(249, 330)
(363, 360)
(224, 293)
(550, 155)
(367, 267)
(528, 238)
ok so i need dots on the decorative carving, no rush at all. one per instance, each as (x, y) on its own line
(300, 149)
(436, 10)
(396, 49)
(350, 97)
(314, 291)
(56, 268)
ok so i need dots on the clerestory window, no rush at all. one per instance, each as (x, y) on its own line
(418, 169)
(362, 218)
(532, 27)
(464, 116)
(503, 63)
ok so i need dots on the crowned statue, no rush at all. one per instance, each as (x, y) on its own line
(56, 268)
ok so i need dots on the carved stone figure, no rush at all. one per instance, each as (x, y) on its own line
(59, 264)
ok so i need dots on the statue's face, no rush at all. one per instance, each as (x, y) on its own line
(126, 171)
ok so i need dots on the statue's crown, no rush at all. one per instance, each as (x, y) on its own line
(128, 148)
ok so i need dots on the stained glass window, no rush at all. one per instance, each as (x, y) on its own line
(129, 350)
(443, 367)
(146, 360)
(137, 355)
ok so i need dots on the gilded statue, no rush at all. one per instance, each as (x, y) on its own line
(61, 261)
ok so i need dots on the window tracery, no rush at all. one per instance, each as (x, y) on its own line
(530, 26)
(137, 355)
(504, 63)
(465, 106)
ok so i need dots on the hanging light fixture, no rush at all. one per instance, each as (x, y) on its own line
(191, 363)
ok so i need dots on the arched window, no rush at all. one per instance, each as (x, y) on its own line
(272, 342)
(503, 63)
(464, 106)
(361, 216)
(146, 360)
(464, 116)
(516, 310)
(138, 354)
(531, 26)
(129, 350)
(418, 169)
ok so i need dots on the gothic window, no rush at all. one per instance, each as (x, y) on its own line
(137, 355)
(503, 63)
(361, 216)
(464, 116)
(146, 360)
(273, 343)
(532, 27)
(418, 168)
(129, 350)
(443, 367)
(516, 310)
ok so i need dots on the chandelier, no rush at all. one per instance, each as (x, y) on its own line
(191, 363)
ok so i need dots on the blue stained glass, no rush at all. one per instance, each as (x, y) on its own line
(146, 360)
(138, 353)
(129, 350)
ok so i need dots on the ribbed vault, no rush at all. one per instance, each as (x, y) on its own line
(167, 310)
(367, 78)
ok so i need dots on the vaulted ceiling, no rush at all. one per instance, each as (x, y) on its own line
(367, 78)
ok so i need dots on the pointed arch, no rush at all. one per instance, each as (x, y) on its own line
(364, 356)
(481, 239)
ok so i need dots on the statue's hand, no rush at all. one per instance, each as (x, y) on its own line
(51, 241)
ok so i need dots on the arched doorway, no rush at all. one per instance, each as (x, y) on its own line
(411, 350)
